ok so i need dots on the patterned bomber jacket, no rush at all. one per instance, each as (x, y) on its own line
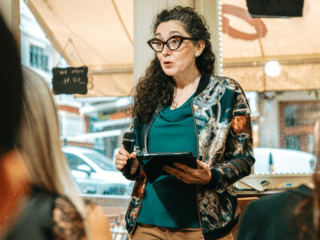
(222, 119)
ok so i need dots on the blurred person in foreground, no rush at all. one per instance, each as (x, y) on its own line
(14, 183)
(179, 105)
(291, 215)
(54, 209)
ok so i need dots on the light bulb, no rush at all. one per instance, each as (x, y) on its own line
(272, 68)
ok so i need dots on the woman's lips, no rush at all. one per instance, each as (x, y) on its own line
(167, 63)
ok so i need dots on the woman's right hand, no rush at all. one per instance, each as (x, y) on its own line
(121, 159)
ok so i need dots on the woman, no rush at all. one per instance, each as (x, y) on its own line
(53, 210)
(180, 106)
(293, 214)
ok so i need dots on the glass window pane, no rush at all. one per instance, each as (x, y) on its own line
(301, 115)
(74, 161)
(293, 142)
(102, 161)
(36, 56)
(31, 56)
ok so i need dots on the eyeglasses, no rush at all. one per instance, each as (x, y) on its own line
(172, 43)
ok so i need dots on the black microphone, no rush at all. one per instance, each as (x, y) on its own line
(129, 139)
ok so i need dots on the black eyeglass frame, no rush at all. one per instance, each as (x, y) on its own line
(166, 42)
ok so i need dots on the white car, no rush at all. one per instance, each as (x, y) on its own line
(95, 173)
(280, 160)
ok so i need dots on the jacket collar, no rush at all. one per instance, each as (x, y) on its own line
(204, 81)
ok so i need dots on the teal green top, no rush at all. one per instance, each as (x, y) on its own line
(169, 202)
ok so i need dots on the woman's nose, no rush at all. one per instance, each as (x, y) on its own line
(166, 50)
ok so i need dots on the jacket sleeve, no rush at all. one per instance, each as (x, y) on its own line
(237, 158)
(136, 130)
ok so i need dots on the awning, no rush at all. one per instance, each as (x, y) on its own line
(102, 34)
(292, 77)
(294, 42)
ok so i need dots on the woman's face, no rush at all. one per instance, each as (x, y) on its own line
(180, 62)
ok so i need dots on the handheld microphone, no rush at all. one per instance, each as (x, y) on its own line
(129, 139)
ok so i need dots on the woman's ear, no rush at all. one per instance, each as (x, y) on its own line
(200, 47)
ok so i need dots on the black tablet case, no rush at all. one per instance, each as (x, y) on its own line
(152, 163)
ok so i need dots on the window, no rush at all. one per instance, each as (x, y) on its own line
(297, 119)
(301, 113)
(38, 59)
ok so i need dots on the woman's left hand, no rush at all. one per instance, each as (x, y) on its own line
(200, 175)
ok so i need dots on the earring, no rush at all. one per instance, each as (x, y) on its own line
(196, 55)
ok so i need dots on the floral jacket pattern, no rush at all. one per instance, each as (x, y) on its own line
(222, 120)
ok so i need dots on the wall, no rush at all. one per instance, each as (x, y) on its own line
(32, 35)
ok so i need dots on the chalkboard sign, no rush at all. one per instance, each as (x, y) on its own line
(70, 80)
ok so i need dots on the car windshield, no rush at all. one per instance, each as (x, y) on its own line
(102, 161)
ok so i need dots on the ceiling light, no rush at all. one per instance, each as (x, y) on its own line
(272, 68)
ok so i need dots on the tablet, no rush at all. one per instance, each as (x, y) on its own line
(152, 163)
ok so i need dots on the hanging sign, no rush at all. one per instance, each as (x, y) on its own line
(70, 80)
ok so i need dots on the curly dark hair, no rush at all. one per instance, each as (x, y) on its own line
(156, 88)
(310, 209)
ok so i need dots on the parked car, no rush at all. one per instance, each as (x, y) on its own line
(93, 172)
(280, 160)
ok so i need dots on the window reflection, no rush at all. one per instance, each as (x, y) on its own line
(297, 128)
(301, 114)
(293, 142)
(285, 139)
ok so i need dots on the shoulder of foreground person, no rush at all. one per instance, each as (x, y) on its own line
(68, 223)
(99, 224)
(273, 217)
